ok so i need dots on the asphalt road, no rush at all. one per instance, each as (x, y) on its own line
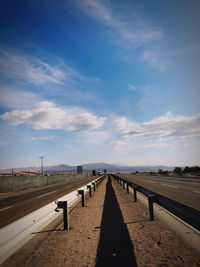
(184, 190)
(15, 205)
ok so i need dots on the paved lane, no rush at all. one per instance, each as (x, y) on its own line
(184, 190)
(18, 204)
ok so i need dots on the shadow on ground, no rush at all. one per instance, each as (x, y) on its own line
(115, 248)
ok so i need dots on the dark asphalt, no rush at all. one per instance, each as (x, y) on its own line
(183, 190)
(18, 204)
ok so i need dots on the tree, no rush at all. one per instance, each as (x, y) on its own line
(194, 169)
(178, 170)
(165, 172)
(186, 170)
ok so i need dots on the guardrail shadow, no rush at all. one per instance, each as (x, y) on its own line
(115, 247)
(48, 231)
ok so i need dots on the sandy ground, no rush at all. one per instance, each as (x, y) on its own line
(111, 230)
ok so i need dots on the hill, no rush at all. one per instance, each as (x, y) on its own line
(87, 168)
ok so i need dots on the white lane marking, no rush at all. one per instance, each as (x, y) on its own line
(47, 194)
(6, 208)
(69, 186)
(170, 185)
(196, 192)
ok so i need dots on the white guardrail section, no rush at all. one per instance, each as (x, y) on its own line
(18, 233)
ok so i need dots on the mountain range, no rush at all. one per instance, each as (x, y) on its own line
(88, 167)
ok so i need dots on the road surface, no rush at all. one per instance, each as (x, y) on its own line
(15, 205)
(184, 190)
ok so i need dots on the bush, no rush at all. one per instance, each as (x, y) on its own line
(165, 172)
(178, 170)
(194, 169)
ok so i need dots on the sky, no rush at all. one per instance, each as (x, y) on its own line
(88, 81)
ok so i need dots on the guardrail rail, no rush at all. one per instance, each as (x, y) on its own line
(18, 233)
(187, 214)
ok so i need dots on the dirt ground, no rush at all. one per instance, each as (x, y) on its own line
(111, 230)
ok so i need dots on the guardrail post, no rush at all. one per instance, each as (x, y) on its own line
(135, 188)
(66, 216)
(90, 190)
(94, 186)
(151, 200)
(127, 187)
(63, 205)
(81, 192)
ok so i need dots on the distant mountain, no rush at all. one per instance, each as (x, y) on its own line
(88, 167)
(121, 168)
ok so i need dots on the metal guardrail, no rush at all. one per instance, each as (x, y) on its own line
(187, 214)
(18, 233)
(64, 204)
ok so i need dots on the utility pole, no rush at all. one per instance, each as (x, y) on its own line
(42, 163)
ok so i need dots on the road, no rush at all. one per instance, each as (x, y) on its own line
(15, 205)
(184, 190)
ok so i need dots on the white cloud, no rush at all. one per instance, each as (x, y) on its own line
(155, 58)
(42, 138)
(85, 121)
(156, 145)
(24, 73)
(16, 98)
(17, 117)
(95, 138)
(162, 59)
(120, 146)
(137, 33)
(181, 127)
(123, 124)
(132, 87)
(33, 70)
(164, 131)
(46, 116)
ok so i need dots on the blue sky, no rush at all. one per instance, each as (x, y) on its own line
(90, 80)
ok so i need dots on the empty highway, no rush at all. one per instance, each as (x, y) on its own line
(184, 190)
(15, 205)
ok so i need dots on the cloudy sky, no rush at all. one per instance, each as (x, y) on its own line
(87, 81)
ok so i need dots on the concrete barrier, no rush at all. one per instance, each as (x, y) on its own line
(14, 183)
